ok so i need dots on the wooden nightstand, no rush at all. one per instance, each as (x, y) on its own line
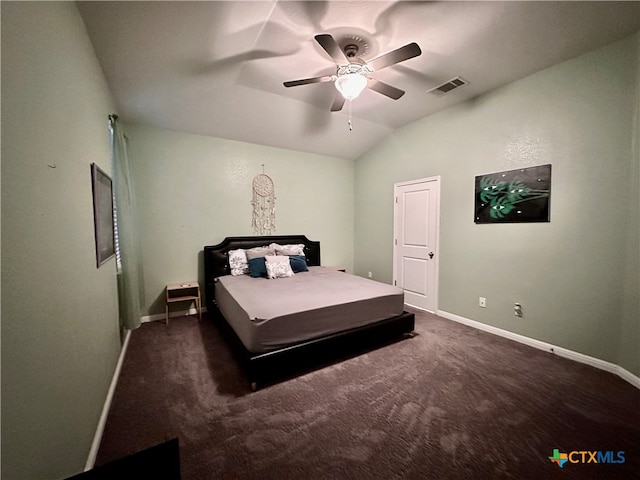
(183, 292)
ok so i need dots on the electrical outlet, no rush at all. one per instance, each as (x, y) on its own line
(517, 310)
(482, 302)
(369, 275)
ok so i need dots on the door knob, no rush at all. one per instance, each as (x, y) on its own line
(431, 254)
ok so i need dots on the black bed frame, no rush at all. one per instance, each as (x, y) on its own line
(262, 366)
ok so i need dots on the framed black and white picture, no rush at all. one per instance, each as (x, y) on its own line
(102, 188)
(513, 196)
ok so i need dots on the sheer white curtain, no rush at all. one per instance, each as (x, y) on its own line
(128, 249)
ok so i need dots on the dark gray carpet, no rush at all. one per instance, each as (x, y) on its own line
(452, 403)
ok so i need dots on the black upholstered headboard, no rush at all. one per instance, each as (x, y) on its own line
(216, 259)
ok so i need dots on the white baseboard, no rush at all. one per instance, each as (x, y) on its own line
(561, 351)
(97, 438)
(179, 313)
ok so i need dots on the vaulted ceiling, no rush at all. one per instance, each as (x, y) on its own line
(217, 68)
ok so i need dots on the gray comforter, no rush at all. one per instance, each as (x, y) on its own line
(270, 314)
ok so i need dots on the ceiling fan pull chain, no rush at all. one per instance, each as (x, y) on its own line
(350, 126)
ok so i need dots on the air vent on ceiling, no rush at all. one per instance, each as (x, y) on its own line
(448, 86)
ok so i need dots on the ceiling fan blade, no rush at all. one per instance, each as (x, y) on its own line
(306, 81)
(338, 102)
(385, 89)
(327, 42)
(395, 56)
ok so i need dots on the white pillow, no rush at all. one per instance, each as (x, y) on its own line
(238, 262)
(293, 249)
(258, 252)
(278, 267)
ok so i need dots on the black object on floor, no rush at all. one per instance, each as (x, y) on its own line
(161, 462)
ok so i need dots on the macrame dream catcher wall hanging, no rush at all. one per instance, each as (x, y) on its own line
(264, 205)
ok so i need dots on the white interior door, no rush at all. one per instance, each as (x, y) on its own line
(416, 233)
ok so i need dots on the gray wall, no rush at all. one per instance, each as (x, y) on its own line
(193, 191)
(630, 325)
(576, 276)
(60, 336)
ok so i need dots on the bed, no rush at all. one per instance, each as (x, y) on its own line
(303, 317)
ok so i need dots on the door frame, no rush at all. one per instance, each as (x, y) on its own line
(436, 222)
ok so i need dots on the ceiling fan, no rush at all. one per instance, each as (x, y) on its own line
(353, 73)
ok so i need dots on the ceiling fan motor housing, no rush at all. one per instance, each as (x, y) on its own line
(351, 51)
(354, 67)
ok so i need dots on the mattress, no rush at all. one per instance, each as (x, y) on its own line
(271, 314)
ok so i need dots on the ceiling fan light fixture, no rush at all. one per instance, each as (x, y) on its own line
(350, 85)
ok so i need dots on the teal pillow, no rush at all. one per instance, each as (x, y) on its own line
(298, 263)
(258, 267)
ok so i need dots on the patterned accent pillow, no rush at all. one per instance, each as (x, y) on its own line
(238, 262)
(293, 249)
(278, 267)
